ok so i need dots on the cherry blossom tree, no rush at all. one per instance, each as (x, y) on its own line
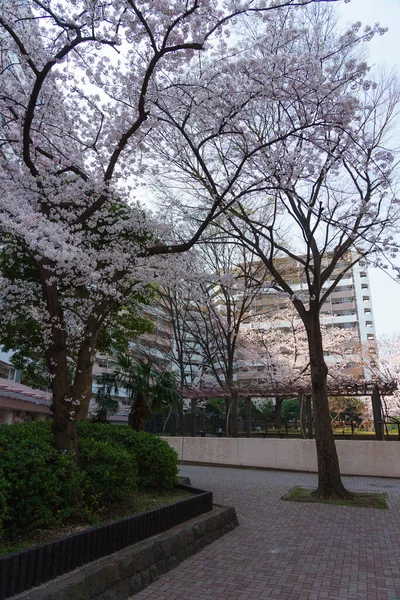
(388, 366)
(308, 154)
(278, 342)
(342, 214)
(81, 82)
(212, 312)
(182, 353)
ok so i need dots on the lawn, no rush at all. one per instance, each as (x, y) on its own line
(360, 499)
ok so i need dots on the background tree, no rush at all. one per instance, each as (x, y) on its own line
(149, 390)
(106, 403)
(182, 353)
(347, 411)
(388, 367)
(318, 163)
(215, 310)
(278, 344)
(290, 410)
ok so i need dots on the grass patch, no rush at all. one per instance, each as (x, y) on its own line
(140, 501)
(360, 500)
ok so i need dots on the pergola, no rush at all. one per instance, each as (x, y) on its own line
(375, 388)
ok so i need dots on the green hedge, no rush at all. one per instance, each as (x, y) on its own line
(39, 487)
(157, 462)
(110, 471)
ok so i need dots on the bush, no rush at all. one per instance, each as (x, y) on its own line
(109, 471)
(4, 495)
(39, 487)
(157, 462)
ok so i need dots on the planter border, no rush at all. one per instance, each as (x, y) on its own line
(20, 571)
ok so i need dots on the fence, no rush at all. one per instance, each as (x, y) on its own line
(21, 571)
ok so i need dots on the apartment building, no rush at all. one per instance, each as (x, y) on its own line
(349, 306)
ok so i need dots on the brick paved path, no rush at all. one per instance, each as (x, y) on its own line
(288, 551)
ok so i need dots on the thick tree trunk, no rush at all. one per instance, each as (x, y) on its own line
(84, 411)
(65, 431)
(377, 412)
(329, 481)
(64, 413)
(86, 393)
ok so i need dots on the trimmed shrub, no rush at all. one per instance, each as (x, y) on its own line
(157, 462)
(39, 487)
(109, 471)
(4, 494)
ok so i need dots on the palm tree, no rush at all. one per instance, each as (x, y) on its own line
(148, 389)
(106, 403)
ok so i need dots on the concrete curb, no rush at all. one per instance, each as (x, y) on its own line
(120, 575)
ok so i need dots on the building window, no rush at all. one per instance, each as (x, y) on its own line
(347, 300)
(363, 275)
(365, 298)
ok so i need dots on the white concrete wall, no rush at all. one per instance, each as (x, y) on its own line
(369, 457)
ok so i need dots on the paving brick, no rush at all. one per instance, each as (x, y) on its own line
(289, 551)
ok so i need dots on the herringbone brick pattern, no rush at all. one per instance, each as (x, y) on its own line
(288, 551)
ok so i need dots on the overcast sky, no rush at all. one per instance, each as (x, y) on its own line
(384, 52)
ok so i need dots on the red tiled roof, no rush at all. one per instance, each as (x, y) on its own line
(17, 391)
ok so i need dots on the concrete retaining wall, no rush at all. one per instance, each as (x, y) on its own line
(380, 459)
(120, 575)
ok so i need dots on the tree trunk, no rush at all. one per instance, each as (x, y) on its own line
(277, 413)
(84, 411)
(233, 415)
(309, 417)
(87, 394)
(193, 407)
(138, 412)
(64, 405)
(65, 431)
(64, 415)
(248, 417)
(227, 417)
(329, 481)
(303, 416)
(377, 412)
(181, 428)
(174, 415)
